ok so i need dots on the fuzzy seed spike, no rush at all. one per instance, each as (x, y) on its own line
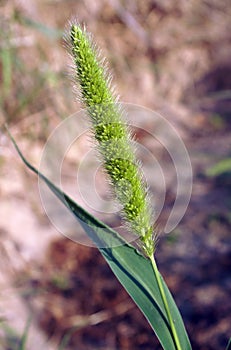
(113, 136)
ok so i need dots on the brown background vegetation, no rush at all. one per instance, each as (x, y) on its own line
(172, 57)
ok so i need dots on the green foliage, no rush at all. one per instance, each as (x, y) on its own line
(60, 281)
(13, 340)
(26, 79)
(24, 337)
(228, 345)
(133, 270)
(224, 166)
(6, 60)
(49, 32)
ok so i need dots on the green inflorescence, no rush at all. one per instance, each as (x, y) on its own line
(113, 137)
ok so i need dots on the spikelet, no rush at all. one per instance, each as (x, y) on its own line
(113, 138)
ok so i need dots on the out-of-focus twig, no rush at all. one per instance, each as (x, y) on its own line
(81, 321)
(130, 22)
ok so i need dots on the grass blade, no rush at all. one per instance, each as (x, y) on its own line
(132, 269)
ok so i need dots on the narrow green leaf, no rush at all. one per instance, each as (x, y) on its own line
(51, 33)
(228, 345)
(23, 340)
(131, 268)
(219, 168)
(6, 61)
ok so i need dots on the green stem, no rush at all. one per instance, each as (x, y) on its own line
(163, 296)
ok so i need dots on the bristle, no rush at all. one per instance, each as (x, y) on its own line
(113, 135)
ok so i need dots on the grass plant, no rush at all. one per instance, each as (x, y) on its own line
(136, 269)
(114, 144)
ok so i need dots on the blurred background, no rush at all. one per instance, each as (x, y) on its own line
(172, 57)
